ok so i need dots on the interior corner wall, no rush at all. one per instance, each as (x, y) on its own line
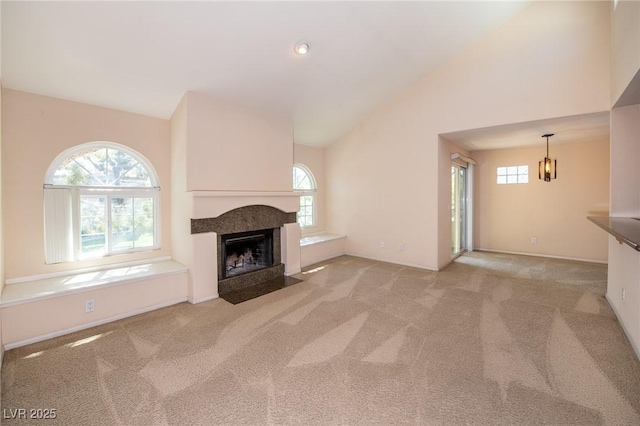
(384, 179)
(230, 148)
(313, 159)
(181, 203)
(38, 128)
(507, 217)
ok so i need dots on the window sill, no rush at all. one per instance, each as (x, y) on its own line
(46, 288)
(319, 238)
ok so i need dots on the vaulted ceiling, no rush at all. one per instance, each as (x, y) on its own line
(143, 56)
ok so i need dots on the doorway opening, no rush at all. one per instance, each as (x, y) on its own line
(461, 204)
(459, 200)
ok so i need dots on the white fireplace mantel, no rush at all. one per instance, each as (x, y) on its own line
(208, 204)
(201, 250)
(197, 194)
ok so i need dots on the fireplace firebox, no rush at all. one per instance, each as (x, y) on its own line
(249, 247)
(246, 252)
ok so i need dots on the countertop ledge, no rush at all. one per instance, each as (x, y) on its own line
(624, 229)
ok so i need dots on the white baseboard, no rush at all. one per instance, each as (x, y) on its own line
(393, 262)
(636, 349)
(203, 299)
(297, 271)
(333, 256)
(13, 345)
(575, 259)
(412, 265)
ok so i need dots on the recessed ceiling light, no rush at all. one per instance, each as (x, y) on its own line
(302, 48)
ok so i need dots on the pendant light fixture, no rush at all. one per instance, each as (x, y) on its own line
(547, 167)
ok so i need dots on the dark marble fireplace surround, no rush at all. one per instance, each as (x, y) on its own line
(246, 219)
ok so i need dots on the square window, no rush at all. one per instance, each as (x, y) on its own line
(512, 174)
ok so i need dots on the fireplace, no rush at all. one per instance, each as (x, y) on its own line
(246, 252)
(248, 245)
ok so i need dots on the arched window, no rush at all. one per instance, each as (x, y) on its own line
(305, 184)
(101, 198)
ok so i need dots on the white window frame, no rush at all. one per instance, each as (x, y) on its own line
(78, 192)
(512, 171)
(308, 192)
(109, 193)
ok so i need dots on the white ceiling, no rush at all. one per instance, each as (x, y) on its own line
(579, 128)
(143, 56)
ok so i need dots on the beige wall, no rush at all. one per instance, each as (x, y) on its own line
(625, 46)
(1, 225)
(36, 129)
(624, 262)
(625, 162)
(233, 149)
(313, 159)
(45, 318)
(223, 157)
(1, 215)
(382, 178)
(181, 207)
(508, 216)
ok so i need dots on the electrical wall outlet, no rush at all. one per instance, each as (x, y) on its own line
(623, 294)
(401, 247)
(89, 305)
(534, 240)
(381, 244)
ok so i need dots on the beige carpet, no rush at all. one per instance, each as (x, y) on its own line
(492, 339)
